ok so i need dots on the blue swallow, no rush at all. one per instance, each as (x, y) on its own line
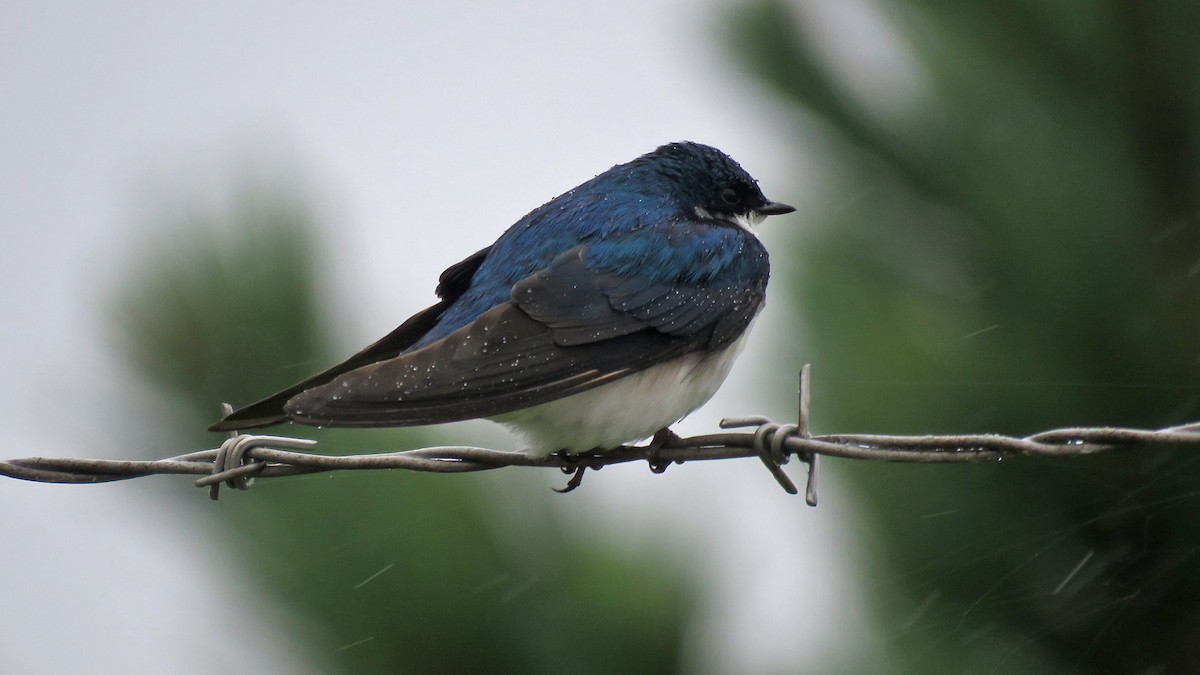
(600, 318)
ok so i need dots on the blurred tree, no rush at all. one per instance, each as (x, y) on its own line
(389, 572)
(1014, 248)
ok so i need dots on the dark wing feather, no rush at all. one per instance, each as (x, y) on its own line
(269, 410)
(567, 329)
(452, 284)
(457, 278)
(572, 300)
(501, 362)
(583, 306)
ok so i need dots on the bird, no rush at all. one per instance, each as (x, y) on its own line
(600, 318)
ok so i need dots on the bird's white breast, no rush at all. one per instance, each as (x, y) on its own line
(628, 409)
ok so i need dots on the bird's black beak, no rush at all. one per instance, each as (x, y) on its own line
(774, 209)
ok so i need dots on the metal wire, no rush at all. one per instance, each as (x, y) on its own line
(243, 457)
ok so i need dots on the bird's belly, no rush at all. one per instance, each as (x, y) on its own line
(628, 409)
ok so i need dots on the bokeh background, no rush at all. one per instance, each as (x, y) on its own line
(997, 232)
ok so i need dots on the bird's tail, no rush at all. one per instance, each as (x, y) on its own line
(269, 411)
(264, 413)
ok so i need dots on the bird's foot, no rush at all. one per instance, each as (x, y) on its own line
(579, 463)
(661, 439)
(576, 478)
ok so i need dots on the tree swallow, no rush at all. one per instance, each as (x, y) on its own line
(600, 318)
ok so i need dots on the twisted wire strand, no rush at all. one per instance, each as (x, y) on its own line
(243, 457)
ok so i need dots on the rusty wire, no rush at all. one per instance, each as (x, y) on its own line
(244, 457)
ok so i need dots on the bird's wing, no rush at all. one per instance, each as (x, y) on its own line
(567, 328)
(452, 283)
(456, 279)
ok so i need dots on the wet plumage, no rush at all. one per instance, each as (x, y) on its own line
(640, 282)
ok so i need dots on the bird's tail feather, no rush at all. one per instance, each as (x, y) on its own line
(269, 411)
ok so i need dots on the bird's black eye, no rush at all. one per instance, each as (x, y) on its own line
(730, 196)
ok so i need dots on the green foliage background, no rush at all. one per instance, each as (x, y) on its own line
(1015, 249)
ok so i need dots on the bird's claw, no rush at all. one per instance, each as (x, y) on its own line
(577, 465)
(576, 474)
(661, 439)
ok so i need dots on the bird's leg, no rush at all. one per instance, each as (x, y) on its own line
(661, 438)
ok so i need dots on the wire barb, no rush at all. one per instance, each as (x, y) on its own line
(233, 465)
(243, 458)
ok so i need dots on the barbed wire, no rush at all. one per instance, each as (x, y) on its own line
(244, 457)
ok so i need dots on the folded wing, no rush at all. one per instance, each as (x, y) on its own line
(566, 329)
(452, 283)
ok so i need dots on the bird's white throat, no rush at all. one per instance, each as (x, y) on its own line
(747, 221)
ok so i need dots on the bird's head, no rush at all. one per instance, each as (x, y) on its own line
(708, 184)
